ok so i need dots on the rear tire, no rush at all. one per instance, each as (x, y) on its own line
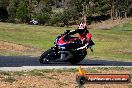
(77, 58)
(43, 56)
(74, 60)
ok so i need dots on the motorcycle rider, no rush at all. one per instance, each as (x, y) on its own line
(85, 36)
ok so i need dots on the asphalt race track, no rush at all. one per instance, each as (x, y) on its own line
(29, 63)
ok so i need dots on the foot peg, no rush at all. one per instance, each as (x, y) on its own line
(91, 49)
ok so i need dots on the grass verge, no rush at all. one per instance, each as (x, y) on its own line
(114, 44)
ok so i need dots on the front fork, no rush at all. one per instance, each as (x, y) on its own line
(64, 55)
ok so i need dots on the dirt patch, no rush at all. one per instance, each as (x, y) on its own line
(124, 51)
(59, 80)
(108, 24)
(17, 48)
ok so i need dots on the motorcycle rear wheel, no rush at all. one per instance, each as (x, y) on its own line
(77, 58)
(75, 61)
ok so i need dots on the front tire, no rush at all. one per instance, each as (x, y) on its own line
(44, 57)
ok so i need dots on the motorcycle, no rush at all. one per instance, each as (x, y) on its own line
(67, 48)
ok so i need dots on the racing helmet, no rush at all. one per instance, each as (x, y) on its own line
(82, 26)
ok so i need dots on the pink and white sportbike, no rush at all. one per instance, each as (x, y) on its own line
(67, 48)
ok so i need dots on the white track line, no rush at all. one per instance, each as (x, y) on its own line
(53, 67)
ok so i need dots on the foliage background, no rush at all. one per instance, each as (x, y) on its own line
(63, 12)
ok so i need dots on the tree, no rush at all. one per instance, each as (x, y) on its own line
(55, 19)
(66, 17)
(124, 6)
(73, 10)
(43, 11)
(12, 10)
(22, 11)
(4, 3)
(119, 8)
(3, 10)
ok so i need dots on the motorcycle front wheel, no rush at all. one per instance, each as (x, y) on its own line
(46, 57)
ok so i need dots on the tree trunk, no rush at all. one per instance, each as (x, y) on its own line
(30, 9)
(116, 13)
(112, 10)
(125, 14)
(84, 14)
(119, 15)
(111, 13)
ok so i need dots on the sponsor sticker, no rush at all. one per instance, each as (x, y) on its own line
(83, 78)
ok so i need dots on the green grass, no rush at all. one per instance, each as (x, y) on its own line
(111, 44)
(59, 71)
(41, 37)
(9, 79)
